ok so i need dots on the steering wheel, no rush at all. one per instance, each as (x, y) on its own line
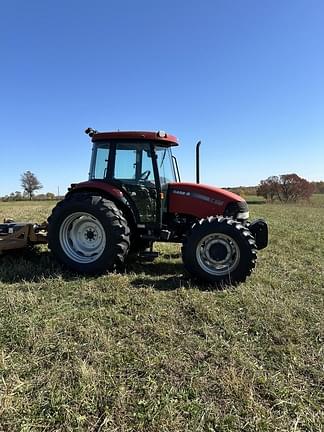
(145, 175)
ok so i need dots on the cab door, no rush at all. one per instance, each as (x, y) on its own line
(134, 169)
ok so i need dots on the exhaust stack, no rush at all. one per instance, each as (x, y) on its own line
(198, 162)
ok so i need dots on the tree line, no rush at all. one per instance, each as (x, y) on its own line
(19, 196)
(283, 188)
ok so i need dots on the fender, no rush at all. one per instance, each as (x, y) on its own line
(119, 197)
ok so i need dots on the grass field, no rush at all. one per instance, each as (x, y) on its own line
(150, 351)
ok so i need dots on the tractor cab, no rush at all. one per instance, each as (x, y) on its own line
(139, 163)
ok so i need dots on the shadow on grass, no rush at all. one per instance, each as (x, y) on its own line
(35, 265)
(166, 276)
(157, 268)
(31, 265)
(256, 202)
(162, 276)
(172, 283)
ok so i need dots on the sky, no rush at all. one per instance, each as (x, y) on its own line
(246, 77)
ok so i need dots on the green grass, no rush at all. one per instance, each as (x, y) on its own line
(150, 351)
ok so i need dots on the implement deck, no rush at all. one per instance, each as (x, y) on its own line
(14, 235)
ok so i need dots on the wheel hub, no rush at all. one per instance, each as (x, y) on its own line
(218, 252)
(90, 235)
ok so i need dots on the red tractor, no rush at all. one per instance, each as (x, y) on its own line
(134, 197)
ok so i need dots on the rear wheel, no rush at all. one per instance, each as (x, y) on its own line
(88, 233)
(220, 251)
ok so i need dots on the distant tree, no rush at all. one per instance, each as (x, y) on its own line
(268, 188)
(294, 188)
(319, 187)
(50, 196)
(40, 197)
(18, 196)
(30, 183)
(285, 188)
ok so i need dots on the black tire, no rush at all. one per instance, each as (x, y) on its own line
(220, 251)
(100, 222)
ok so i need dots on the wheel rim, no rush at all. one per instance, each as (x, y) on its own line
(82, 237)
(218, 254)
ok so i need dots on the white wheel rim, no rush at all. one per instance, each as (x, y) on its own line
(82, 237)
(221, 263)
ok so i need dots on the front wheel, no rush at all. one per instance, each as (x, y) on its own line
(220, 251)
(88, 233)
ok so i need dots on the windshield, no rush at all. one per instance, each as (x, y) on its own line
(165, 165)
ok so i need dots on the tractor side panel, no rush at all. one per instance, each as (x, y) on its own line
(198, 200)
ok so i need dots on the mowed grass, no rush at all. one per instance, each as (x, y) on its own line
(148, 350)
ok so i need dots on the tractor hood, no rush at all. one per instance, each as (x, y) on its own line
(206, 191)
(202, 200)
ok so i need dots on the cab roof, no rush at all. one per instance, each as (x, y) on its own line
(161, 138)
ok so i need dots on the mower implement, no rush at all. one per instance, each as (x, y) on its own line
(15, 235)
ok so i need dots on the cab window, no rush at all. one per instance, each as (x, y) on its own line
(125, 163)
(100, 165)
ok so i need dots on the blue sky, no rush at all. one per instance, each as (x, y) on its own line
(245, 77)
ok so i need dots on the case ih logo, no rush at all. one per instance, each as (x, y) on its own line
(198, 196)
(181, 192)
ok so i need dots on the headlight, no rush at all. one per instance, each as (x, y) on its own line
(237, 210)
(243, 215)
